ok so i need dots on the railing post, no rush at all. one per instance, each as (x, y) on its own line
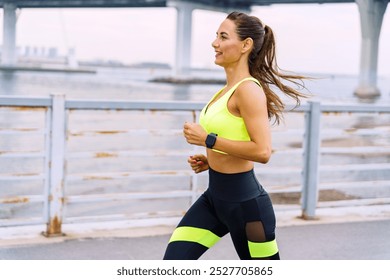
(56, 167)
(311, 158)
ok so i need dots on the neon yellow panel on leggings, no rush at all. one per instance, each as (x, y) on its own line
(262, 249)
(193, 234)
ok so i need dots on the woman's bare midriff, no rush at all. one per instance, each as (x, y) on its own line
(227, 164)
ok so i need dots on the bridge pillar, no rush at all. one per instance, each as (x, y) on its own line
(183, 36)
(8, 56)
(371, 18)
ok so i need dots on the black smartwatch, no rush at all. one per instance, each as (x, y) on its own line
(210, 140)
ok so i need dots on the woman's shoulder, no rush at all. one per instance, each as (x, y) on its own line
(249, 91)
(249, 84)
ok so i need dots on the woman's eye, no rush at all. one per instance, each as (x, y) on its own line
(222, 37)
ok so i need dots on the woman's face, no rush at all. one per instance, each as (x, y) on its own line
(227, 44)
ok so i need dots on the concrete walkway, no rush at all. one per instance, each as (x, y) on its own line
(348, 233)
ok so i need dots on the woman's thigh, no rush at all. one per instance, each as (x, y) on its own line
(199, 230)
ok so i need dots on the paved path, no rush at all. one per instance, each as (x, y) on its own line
(332, 237)
(345, 241)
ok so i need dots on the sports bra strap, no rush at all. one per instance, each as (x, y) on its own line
(233, 89)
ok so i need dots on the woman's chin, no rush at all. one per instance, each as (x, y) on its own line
(216, 62)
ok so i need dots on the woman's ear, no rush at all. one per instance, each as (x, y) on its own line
(247, 45)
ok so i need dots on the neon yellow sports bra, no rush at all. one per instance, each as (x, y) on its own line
(216, 117)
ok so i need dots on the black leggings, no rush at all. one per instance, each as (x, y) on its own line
(235, 204)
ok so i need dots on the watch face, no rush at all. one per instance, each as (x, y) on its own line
(210, 140)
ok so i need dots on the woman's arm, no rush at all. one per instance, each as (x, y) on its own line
(249, 102)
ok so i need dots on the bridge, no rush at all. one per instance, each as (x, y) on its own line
(371, 18)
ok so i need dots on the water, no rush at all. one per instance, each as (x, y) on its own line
(132, 84)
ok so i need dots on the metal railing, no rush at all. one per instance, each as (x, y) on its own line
(55, 153)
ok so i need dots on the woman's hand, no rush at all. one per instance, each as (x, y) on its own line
(195, 134)
(198, 163)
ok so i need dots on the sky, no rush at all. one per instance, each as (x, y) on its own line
(316, 38)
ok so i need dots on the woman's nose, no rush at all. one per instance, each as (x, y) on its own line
(214, 43)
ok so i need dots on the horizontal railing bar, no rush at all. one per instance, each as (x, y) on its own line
(172, 105)
(21, 177)
(118, 175)
(15, 154)
(271, 170)
(289, 132)
(135, 153)
(21, 199)
(356, 150)
(22, 131)
(126, 196)
(21, 222)
(354, 202)
(356, 167)
(135, 216)
(151, 153)
(358, 184)
(135, 174)
(331, 186)
(129, 220)
(23, 101)
(358, 132)
(155, 132)
(260, 171)
(168, 131)
(287, 151)
(133, 105)
(358, 108)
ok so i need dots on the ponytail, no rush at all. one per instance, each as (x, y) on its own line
(267, 71)
(263, 65)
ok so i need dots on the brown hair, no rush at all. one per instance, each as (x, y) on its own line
(263, 65)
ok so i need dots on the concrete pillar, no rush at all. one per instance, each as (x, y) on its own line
(183, 37)
(8, 56)
(371, 18)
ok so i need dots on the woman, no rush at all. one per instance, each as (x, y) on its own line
(234, 127)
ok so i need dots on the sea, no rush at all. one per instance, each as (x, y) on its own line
(135, 84)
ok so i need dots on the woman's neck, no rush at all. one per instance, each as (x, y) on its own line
(234, 75)
(236, 72)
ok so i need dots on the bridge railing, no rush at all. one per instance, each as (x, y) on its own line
(72, 161)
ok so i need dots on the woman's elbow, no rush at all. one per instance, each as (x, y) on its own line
(263, 156)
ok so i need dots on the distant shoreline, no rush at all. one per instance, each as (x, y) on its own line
(46, 69)
(187, 80)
